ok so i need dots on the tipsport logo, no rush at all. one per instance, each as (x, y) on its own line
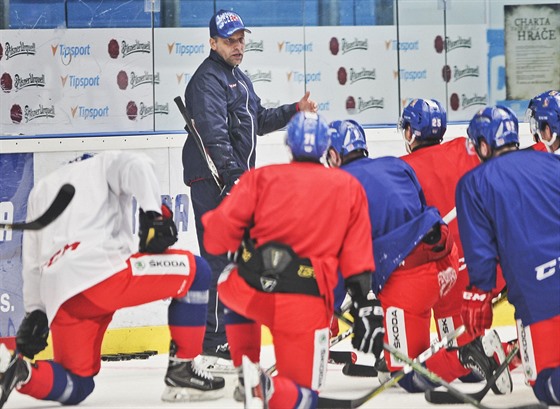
(68, 53)
(410, 75)
(182, 49)
(183, 78)
(295, 48)
(404, 46)
(80, 82)
(89, 113)
(301, 77)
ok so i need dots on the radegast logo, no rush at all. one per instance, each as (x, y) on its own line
(147, 78)
(259, 76)
(144, 110)
(89, 113)
(78, 82)
(364, 74)
(348, 46)
(20, 49)
(295, 48)
(69, 52)
(29, 81)
(30, 114)
(410, 75)
(466, 101)
(460, 42)
(254, 46)
(405, 46)
(467, 71)
(300, 77)
(185, 49)
(136, 47)
(353, 107)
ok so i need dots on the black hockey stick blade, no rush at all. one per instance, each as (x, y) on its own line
(59, 204)
(191, 130)
(358, 370)
(465, 398)
(446, 398)
(342, 357)
(325, 402)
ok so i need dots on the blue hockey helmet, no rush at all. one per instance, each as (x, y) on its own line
(427, 120)
(347, 136)
(497, 126)
(308, 136)
(544, 109)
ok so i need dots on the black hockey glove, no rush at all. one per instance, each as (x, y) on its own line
(157, 231)
(367, 314)
(230, 178)
(31, 337)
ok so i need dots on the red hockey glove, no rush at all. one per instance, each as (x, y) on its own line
(157, 232)
(476, 310)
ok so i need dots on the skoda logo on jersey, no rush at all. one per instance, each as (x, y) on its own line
(140, 265)
(268, 284)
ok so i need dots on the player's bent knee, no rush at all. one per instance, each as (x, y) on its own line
(81, 389)
(547, 386)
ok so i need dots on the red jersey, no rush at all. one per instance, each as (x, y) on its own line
(539, 146)
(439, 168)
(321, 213)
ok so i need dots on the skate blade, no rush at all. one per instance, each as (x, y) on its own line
(175, 394)
(493, 345)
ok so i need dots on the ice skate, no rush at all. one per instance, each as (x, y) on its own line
(217, 361)
(186, 382)
(257, 385)
(483, 356)
(13, 371)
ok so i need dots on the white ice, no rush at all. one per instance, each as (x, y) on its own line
(139, 384)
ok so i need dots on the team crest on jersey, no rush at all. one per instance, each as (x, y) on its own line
(268, 284)
(446, 279)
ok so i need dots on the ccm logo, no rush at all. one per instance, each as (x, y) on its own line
(546, 270)
(474, 296)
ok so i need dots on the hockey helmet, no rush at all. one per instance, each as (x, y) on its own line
(347, 136)
(427, 119)
(497, 126)
(308, 136)
(543, 110)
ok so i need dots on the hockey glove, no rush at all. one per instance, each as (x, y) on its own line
(157, 232)
(476, 310)
(230, 178)
(367, 314)
(31, 337)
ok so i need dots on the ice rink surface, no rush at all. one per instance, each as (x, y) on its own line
(139, 384)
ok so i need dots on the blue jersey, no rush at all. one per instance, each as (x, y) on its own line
(398, 212)
(508, 211)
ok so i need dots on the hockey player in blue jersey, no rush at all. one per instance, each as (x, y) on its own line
(508, 210)
(416, 264)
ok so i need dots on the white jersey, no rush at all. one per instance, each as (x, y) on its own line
(92, 238)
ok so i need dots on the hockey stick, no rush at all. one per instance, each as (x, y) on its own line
(60, 202)
(191, 130)
(463, 397)
(395, 378)
(445, 397)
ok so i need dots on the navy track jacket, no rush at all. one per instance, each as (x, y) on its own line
(228, 115)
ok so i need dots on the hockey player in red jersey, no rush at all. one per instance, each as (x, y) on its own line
(508, 212)
(85, 265)
(543, 115)
(297, 224)
(416, 264)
